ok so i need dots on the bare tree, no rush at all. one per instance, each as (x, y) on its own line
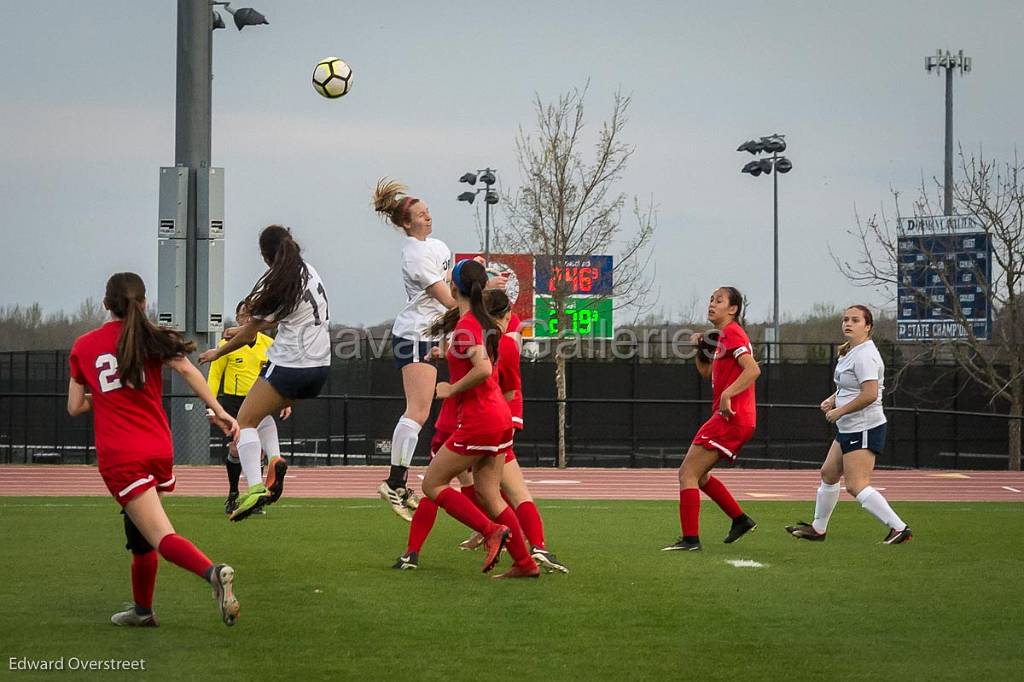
(568, 205)
(994, 192)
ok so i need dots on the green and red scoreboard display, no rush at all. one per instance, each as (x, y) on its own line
(533, 281)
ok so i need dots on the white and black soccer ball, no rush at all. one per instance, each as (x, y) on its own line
(332, 78)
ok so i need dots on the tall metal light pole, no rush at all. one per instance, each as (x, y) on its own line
(490, 197)
(949, 62)
(190, 292)
(775, 144)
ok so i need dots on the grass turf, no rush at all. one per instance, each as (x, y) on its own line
(320, 600)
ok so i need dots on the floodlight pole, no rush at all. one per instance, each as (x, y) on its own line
(950, 62)
(775, 181)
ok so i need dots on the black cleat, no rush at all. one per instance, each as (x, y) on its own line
(741, 525)
(805, 531)
(684, 544)
(408, 562)
(231, 503)
(898, 537)
(548, 561)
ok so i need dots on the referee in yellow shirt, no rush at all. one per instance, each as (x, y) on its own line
(231, 377)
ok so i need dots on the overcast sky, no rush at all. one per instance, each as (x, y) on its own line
(87, 119)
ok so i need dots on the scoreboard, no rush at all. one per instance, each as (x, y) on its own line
(587, 280)
(944, 266)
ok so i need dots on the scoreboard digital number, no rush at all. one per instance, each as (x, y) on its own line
(574, 275)
(945, 265)
(590, 317)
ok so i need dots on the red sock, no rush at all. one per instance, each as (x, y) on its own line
(469, 492)
(717, 491)
(463, 511)
(689, 512)
(144, 578)
(422, 523)
(529, 519)
(516, 545)
(180, 551)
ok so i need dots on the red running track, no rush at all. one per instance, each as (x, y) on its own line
(569, 484)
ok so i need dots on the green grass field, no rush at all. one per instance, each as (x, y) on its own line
(319, 599)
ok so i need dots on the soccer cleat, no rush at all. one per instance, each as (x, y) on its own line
(518, 572)
(548, 560)
(682, 544)
(741, 525)
(395, 497)
(222, 579)
(494, 542)
(231, 503)
(129, 618)
(275, 479)
(472, 542)
(411, 500)
(253, 500)
(408, 562)
(898, 537)
(805, 531)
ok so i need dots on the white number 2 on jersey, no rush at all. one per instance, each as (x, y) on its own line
(107, 364)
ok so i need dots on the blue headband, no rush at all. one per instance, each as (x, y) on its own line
(457, 277)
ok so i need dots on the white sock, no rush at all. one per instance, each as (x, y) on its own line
(268, 438)
(875, 504)
(824, 504)
(403, 442)
(249, 455)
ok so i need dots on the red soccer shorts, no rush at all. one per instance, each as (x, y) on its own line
(128, 480)
(718, 433)
(491, 444)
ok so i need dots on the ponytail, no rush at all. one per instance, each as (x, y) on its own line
(391, 201)
(140, 340)
(279, 291)
(470, 278)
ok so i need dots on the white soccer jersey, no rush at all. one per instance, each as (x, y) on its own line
(303, 337)
(862, 363)
(424, 263)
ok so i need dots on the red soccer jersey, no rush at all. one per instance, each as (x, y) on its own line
(482, 409)
(130, 423)
(509, 378)
(732, 343)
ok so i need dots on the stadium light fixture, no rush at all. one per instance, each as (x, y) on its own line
(773, 144)
(951, 63)
(243, 16)
(488, 177)
(218, 20)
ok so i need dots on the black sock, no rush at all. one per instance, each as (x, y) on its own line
(691, 538)
(234, 471)
(397, 477)
(142, 611)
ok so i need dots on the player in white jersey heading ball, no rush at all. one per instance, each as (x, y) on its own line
(290, 295)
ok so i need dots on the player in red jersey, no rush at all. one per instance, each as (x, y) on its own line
(483, 433)
(733, 371)
(513, 485)
(116, 373)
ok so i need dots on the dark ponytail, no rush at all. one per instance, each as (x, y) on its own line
(140, 339)
(471, 280)
(498, 305)
(736, 299)
(280, 289)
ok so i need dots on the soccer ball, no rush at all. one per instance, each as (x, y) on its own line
(332, 78)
